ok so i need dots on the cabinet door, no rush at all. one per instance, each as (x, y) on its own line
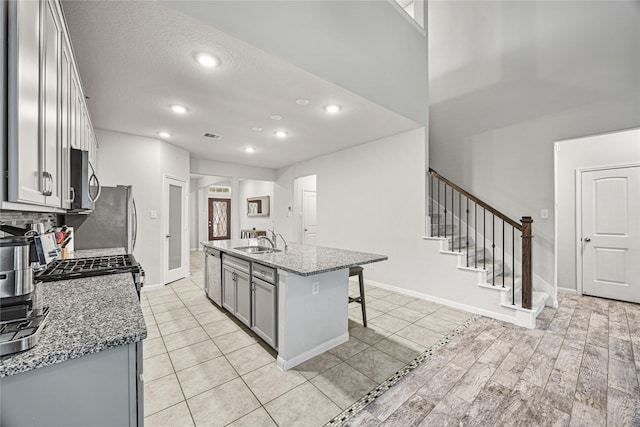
(243, 298)
(66, 101)
(228, 289)
(50, 74)
(73, 110)
(264, 318)
(24, 148)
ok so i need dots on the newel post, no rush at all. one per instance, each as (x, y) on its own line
(526, 262)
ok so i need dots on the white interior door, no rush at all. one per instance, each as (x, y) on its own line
(175, 226)
(611, 233)
(309, 222)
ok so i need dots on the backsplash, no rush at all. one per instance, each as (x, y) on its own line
(20, 219)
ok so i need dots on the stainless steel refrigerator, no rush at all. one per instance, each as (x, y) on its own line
(113, 223)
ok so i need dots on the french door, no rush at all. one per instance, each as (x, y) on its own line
(175, 226)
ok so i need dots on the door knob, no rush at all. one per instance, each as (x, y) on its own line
(586, 239)
(168, 235)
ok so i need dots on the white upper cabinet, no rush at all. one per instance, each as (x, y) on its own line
(50, 108)
(66, 119)
(47, 112)
(24, 148)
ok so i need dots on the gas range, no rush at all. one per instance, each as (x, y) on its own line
(22, 318)
(76, 268)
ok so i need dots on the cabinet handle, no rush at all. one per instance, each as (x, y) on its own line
(47, 183)
(72, 193)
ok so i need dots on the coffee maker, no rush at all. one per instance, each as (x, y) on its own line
(22, 316)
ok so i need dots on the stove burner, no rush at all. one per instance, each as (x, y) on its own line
(89, 267)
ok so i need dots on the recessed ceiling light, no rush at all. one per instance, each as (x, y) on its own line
(280, 133)
(276, 117)
(207, 60)
(257, 129)
(249, 150)
(164, 134)
(332, 108)
(181, 109)
(302, 101)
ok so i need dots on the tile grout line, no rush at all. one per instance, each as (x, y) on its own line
(360, 404)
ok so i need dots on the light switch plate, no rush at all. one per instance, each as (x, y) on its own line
(544, 213)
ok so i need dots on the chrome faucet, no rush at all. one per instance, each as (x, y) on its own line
(274, 237)
(272, 242)
(285, 242)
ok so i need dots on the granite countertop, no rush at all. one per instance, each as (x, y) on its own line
(86, 316)
(298, 259)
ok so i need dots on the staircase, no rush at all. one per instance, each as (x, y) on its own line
(487, 242)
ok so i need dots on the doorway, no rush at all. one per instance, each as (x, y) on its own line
(219, 219)
(175, 226)
(609, 232)
(309, 217)
(305, 207)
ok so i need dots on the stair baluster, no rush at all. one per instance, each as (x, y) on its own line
(467, 232)
(475, 241)
(493, 250)
(524, 226)
(484, 241)
(513, 263)
(459, 220)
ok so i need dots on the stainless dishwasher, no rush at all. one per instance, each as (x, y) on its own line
(213, 275)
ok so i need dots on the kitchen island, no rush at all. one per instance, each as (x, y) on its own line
(84, 368)
(311, 294)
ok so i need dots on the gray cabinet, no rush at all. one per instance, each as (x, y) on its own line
(228, 288)
(236, 288)
(99, 389)
(264, 300)
(250, 292)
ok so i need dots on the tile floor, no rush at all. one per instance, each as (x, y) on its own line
(579, 367)
(202, 367)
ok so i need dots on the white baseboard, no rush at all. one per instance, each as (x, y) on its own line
(319, 349)
(448, 303)
(568, 291)
(155, 287)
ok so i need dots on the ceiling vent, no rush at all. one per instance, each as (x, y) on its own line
(212, 135)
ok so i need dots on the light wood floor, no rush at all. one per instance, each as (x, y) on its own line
(579, 367)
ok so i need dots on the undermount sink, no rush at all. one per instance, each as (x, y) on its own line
(257, 249)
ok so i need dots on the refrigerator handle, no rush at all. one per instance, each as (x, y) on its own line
(135, 224)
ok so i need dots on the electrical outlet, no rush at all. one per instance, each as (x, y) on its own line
(153, 214)
(544, 213)
(315, 288)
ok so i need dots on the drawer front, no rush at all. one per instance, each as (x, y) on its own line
(237, 263)
(265, 273)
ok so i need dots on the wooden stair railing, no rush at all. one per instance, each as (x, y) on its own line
(447, 188)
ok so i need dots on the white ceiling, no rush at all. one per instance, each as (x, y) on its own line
(136, 58)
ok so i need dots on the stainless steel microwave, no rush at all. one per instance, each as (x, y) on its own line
(85, 185)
